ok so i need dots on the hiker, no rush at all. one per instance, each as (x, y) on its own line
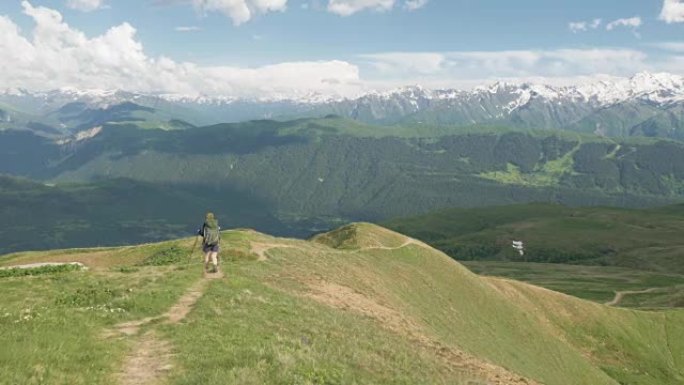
(211, 238)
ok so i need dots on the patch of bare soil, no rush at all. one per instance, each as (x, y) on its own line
(345, 298)
(175, 314)
(261, 249)
(130, 328)
(620, 295)
(149, 362)
(409, 241)
(180, 309)
(150, 358)
(94, 259)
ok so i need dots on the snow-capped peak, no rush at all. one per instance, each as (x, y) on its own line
(659, 88)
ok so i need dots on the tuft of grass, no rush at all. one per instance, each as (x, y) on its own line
(125, 269)
(21, 272)
(167, 255)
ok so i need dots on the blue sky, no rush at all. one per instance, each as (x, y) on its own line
(261, 47)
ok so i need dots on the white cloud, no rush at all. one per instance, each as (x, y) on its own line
(673, 11)
(239, 11)
(674, 46)
(350, 7)
(633, 22)
(577, 26)
(583, 26)
(467, 67)
(187, 29)
(412, 5)
(55, 55)
(85, 5)
(59, 56)
(406, 62)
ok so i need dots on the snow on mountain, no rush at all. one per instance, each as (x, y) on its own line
(651, 99)
(659, 88)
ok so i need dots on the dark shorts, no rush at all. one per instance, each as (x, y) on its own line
(212, 248)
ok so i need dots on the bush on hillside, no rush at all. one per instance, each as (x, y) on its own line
(16, 272)
(167, 256)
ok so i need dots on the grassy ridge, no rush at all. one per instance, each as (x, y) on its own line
(377, 308)
(602, 250)
(52, 324)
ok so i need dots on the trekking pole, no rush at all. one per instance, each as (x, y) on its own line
(192, 251)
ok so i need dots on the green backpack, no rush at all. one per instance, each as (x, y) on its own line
(212, 234)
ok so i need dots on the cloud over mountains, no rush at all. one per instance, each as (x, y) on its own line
(85, 5)
(350, 7)
(240, 11)
(673, 11)
(56, 55)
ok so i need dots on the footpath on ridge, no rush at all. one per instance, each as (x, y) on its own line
(150, 358)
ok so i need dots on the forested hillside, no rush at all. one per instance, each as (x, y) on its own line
(304, 176)
(642, 239)
(114, 212)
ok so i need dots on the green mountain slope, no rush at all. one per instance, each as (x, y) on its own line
(668, 123)
(607, 249)
(358, 305)
(336, 168)
(79, 116)
(310, 175)
(115, 212)
(645, 238)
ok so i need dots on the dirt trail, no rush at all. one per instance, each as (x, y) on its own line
(148, 363)
(261, 249)
(408, 242)
(151, 358)
(620, 295)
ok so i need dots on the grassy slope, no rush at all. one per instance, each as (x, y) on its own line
(51, 325)
(608, 249)
(377, 310)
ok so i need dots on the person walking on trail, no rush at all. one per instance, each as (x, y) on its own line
(211, 239)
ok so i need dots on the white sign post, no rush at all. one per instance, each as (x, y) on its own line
(518, 245)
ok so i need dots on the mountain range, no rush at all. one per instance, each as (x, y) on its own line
(303, 176)
(378, 157)
(646, 104)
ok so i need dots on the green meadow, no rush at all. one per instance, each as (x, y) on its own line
(359, 305)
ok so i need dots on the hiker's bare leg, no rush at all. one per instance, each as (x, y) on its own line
(207, 258)
(214, 260)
